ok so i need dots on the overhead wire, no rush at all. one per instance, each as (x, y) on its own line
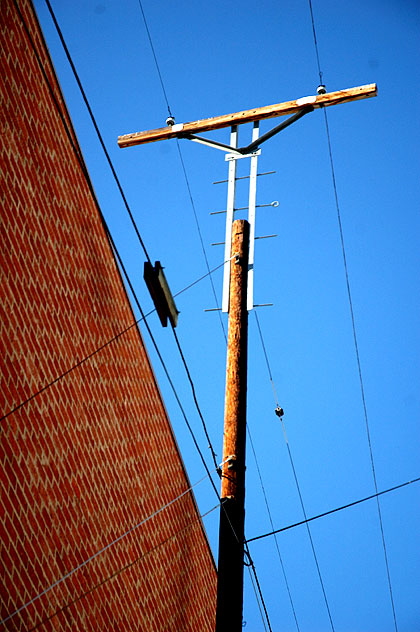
(122, 569)
(99, 552)
(181, 158)
(134, 225)
(315, 42)
(155, 58)
(85, 99)
(97, 130)
(354, 331)
(292, 605)
(332, 511)
(291, 461)
(134, 293)
(208, 267)
(114, 173)
(210, 446)
(113, 247)
(100, 348)
(257, 586)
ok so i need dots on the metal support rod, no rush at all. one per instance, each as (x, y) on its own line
(252, 200)
(266, 173)
(210, 143)
(230, 207)
(229, 604)
(255, 144)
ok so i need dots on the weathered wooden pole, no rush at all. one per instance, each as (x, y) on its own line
(232, 511)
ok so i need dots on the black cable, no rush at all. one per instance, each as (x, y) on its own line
(118, 572)
(315, 42)
(359, 368)
(70, 135)
(132, 218)
(118, 256)
(328, 513)
(93, 119)
(155, 58)
(275, 537)
(353, 323)
(318, 568)
(254, 572)
(143, 317)
(75, 366)
(169, 380)
(202, 246)
(98, 349)
(182, 164)
(200, 236)
(213, 454)
(89, 183)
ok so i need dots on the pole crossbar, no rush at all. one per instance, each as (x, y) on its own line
(248, 116)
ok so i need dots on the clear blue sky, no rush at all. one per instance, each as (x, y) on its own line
(223, 57)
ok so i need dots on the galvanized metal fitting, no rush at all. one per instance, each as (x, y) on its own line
(231, 461)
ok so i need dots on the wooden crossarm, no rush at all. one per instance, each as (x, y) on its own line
(247, 116)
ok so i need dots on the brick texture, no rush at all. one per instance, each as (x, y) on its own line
(93, 454)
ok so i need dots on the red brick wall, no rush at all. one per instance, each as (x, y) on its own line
(93, 454)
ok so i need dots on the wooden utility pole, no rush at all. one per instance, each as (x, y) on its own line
(232, 511)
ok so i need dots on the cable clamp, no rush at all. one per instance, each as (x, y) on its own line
(231, 461)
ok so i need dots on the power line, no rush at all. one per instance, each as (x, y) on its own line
(114, 249)
(353, 324)
(72, 368)
(121, 570)
(154, 57)
(318, 568)
(181, 158)
(69, 58)
(359, 369)
(168, 377)
(93, 119)
(315, 42)
(258, 585)
(133, 221)
(200, 235)
(213, 454)
(102, 550)
(101, 347)
(212, 284)
(332, 511)
(272, 526)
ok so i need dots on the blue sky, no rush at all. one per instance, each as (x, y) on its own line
(224, 57)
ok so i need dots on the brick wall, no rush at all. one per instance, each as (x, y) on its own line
(93, 454)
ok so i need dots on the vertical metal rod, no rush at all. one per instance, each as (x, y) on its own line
(229, 604)
(252, 217)
(230, 206)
